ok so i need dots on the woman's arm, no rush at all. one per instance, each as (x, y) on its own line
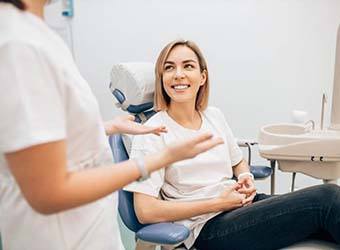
(247, 185)
(152, 210)
(241, 167)
(49, 187)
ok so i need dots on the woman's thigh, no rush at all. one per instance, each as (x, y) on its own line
(275, 222)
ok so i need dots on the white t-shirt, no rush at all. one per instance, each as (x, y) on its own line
(43, 98)
(200, 178)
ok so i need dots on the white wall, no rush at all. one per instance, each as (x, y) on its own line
(266, 57)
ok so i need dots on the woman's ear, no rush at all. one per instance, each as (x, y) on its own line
(204, 77)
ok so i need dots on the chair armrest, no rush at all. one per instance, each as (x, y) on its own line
(163, 233)
(246, 142)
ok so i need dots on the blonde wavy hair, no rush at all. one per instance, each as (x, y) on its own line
(161, 98)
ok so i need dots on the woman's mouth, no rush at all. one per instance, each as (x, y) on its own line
(180, 86)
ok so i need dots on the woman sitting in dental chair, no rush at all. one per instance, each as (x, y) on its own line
(200, 193)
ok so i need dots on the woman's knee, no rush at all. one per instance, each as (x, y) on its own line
(323, 194)
(331, 188)
(329, 191)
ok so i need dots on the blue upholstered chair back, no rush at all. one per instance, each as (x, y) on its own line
(125, 206)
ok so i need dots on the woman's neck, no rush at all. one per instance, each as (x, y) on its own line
(36, 7)
(185, 114)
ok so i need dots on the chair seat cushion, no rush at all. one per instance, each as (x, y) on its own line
(260, 172)
(163, 233)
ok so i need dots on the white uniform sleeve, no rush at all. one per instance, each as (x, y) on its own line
(143, 145)
(32, 110)
(234, 150)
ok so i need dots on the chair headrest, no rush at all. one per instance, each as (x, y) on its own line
(132, 84)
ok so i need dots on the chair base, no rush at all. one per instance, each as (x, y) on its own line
(142, 245)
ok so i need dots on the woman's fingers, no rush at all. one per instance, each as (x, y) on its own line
(236, 186)
(249, 200)
(231, 199)
(247, 186)
(229, 189)
(248, 191)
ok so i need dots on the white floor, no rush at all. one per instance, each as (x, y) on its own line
(313, 245)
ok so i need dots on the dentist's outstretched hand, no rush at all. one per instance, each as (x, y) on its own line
(181, 150)
(125, 124)
(194, 146)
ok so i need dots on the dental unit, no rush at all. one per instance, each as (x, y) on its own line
(307, 149)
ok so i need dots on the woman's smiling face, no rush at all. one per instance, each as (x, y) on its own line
(182, 75)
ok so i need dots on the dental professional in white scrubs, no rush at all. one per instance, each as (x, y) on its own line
(57, 179)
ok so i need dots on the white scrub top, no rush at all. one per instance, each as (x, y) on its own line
(44, 98)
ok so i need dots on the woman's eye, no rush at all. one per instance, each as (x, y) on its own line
(189, 66)
(168, 67)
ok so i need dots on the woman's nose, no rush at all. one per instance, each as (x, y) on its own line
(179, 73)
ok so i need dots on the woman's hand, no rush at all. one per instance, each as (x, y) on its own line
(125, 124)
(192, 147)
(247, 187)
(230, 199)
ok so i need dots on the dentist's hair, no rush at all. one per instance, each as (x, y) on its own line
(17, 3)
(162, 100)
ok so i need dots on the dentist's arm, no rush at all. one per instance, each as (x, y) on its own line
(49, 187)
(125, 124)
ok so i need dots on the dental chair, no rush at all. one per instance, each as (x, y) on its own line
(132, 85)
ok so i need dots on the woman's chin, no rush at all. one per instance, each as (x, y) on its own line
(183, 100)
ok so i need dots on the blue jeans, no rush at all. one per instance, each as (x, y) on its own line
(273, 222)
